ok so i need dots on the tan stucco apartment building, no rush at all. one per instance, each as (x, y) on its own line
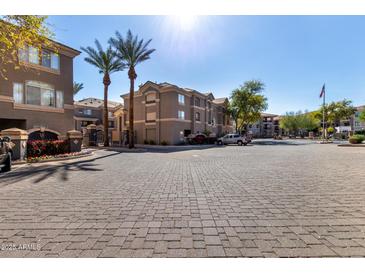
(90, 111)
(167, 113)
(39, 96)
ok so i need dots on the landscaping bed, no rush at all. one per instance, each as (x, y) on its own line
(58, 157)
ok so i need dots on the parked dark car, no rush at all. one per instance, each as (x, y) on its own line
(5, 154)
(199, 139)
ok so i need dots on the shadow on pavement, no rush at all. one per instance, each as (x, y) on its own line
(42, 171)
(280, 142)
(159, 149)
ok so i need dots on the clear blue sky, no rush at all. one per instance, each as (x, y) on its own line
(292, 55)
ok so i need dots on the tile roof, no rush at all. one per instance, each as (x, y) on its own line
(268, 114)
(219, 100)
(166, 84)
(95, 102)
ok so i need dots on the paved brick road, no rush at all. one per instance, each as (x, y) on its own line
(304, 200)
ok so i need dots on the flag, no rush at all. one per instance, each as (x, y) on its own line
(323, 91)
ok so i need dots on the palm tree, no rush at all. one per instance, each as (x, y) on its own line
(131, 52)
(77, 87)
(107, 63)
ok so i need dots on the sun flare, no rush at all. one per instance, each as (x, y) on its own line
(186, 22)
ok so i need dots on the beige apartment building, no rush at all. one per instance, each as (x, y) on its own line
(38, 97)
(91, 111)
(266, 127)
(167, 113)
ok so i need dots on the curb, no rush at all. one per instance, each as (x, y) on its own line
(351, 145)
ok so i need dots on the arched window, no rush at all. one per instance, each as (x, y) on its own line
(42, 135)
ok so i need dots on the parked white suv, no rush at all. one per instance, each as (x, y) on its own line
(232, 139)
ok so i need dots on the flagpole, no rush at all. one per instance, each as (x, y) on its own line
(324, 134)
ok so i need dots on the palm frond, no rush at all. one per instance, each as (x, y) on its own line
(77, 87)
(131, 50)
(105, 60)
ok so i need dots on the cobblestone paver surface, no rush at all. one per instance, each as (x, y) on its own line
(279, 200)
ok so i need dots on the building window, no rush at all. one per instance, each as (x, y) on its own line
(87, 111)
(59, 99)
(181, 114)
(23, 55)
(111, 124)
(33, 55)
(110, 114)
(197, 116)
(85, 123)
(46, 59)
(197, 102)
(33, 95)
(48, 98)
(151, 98)
(42, 94)
(55, 61)
(151, 117)
(18, 93)
(181, 99)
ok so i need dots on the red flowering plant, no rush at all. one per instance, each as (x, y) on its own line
(43, 148)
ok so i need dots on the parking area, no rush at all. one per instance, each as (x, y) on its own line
(270, 199)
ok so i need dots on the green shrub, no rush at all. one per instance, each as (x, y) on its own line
(164, 143)
(330, 130)
(152, 142)
(357, 139)
(207, 132)
(146, 142)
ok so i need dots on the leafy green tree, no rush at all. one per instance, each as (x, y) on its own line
(362, 116)
(131, 51)
(289, 123)
(249, 102)
(335, 112)
(18, 32)
(107, 63)
(299, 122)
(77, 87)
(309, 121)
(234, 113)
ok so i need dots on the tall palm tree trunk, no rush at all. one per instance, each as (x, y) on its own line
(106, 82)
(132, 76)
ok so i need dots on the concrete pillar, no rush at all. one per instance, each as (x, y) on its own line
(74, 140)
(91, 130)
(19, 137)
(85, 137)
